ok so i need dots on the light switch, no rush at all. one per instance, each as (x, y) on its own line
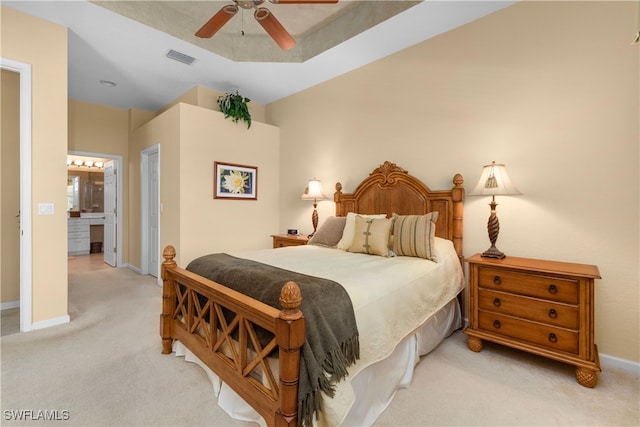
(45, 208)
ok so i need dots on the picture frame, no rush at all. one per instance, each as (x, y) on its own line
(235, 182)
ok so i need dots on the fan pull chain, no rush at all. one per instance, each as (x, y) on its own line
(242, 24)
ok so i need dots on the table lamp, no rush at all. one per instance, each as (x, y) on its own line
(314, 192)
(493, 181)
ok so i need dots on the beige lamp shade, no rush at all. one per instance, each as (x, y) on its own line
(313, 191)
(494, 180)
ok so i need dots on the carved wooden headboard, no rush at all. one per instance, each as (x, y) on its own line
(390, 189)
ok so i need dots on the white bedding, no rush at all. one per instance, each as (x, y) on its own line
(392, 299)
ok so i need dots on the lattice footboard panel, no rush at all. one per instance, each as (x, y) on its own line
(235, 335)
(229, 336)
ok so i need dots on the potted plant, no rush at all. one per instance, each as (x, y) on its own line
(235, 106)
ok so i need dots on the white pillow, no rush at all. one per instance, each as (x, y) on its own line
(350, 228)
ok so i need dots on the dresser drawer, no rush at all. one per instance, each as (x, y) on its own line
(543, 311)
(84, 234)
(283, 240)
(544, 335)
(529, 284)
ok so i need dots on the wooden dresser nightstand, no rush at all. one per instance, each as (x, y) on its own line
(543, 307)
(282, 240)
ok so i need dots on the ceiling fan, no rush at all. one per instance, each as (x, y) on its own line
(263, 15)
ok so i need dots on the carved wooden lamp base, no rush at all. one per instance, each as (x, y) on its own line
(493, 227)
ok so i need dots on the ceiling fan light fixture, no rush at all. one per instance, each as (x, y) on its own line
(274, 28)
(302, 1)
(249, 4)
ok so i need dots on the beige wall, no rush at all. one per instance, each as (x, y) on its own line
(9, 191)
(205, 97)
(191, 138)
(47, 54)
(104, 130)
(550, 89)
(216, 225)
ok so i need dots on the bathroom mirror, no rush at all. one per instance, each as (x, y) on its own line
(73, 193)
(85, 191)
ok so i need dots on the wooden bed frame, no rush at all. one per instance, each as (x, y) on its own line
(192, 306)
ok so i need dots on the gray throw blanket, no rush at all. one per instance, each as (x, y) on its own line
(331, 343)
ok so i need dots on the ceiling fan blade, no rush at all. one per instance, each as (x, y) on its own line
(217, 21)
(302, 1)
(275, 29)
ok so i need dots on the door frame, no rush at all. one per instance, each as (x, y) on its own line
(144, 209)
(118, 163)
(26, 243)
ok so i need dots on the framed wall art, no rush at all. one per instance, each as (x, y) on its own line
(232, 181)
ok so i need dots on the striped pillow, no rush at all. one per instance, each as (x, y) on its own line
(371, 236)
(414, 235)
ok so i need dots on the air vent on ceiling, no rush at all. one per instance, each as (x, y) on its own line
(180, 57)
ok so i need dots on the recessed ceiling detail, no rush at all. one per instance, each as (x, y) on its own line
(315, 27)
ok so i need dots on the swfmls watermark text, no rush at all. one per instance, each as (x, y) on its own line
(36, 415)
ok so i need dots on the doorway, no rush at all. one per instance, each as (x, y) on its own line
(150, 212)
(26, 278)
(112, 241)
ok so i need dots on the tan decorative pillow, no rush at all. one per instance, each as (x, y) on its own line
(414, 235)
(347, 234)
(371, 236)
(330, 232)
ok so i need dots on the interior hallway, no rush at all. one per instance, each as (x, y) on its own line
(10, 319)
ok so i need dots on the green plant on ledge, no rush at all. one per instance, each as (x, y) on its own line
(235, 106)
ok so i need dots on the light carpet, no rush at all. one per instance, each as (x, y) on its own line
(105, 368)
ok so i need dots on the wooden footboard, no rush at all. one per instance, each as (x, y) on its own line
(219, 326)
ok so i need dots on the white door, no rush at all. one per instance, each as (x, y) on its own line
(110, 213)
(154, 215)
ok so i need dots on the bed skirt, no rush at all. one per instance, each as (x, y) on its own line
(374, 386)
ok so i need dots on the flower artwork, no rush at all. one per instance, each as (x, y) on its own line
(233, 181)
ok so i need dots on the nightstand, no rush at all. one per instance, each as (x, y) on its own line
(543, 307)
(282, 240)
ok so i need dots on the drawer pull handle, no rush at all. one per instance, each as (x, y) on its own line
(553, 313)
(553, 289)
(496, 324)
(497, 280)
(497, 302)
(553, 338)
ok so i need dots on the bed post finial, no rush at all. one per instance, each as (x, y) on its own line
(169, 255)
(290, 299)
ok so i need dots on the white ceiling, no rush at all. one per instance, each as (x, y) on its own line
(104, 45)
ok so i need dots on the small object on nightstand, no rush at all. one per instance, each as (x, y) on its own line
(543, 307)
(282, 240)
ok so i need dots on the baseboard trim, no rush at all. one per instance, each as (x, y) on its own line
(133, 268)
(50, 322)
(617, 363)
(9, 305)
